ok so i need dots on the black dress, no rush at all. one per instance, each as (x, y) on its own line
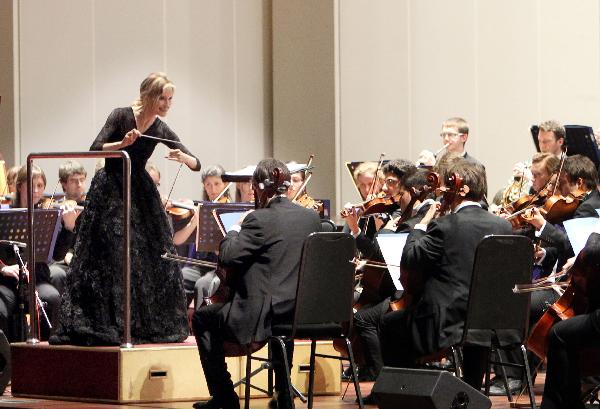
(91, 312)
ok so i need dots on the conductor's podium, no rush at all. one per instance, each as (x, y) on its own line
(143, 374)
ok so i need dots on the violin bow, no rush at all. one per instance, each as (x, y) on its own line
(173, 184)
(307, 176)
(372, 187)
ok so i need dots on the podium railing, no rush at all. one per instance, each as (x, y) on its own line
(126, 342)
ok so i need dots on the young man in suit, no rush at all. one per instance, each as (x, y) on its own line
(263, 253)
(441, 252)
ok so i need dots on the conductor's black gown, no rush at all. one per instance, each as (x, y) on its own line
(91, 311)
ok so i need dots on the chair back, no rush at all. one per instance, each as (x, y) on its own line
(328, 226)
(501, 261)
(325, 280)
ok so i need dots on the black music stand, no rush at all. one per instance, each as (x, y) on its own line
(13, 226)
(579, 140)
(208, 233)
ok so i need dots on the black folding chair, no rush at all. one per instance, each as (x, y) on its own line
(323, 300)
(495, 315)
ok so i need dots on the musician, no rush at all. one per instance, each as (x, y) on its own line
(11, 179)
(551, 137)
(72, 177)
(201, 282)
(367, 319)
(562, 389)
(154, 173)
(579, 176)
(8, 261)
(302, 198)
(244, 192)
(455, 133)
(442, 255)
(264, 252)
(364, 176)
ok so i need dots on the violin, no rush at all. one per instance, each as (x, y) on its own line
(376, 205)
(308, 202)
(179, 211)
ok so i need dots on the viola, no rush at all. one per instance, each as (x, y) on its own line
(558, 208)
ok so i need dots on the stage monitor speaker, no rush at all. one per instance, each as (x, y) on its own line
(424, 389)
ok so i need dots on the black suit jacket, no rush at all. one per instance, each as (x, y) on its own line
(558, 239)
(265, 256)
(444, 255)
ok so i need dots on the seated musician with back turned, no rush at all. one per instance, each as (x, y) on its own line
(264, 254)
(562, 389)
(441, 252)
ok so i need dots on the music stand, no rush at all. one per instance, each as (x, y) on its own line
(13, 226)
(208, 233)
(579, 140)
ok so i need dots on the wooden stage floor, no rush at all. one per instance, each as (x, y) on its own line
(321, 402)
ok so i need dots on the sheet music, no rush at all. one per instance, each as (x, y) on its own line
(578, 231)
(391, 246)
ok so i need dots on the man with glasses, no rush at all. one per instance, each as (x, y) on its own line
(454, 135)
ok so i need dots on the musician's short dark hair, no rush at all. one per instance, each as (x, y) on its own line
(416, 179)
(399, 167)
(264, 172)
(473, 175)
(579, 166)
(70, 168)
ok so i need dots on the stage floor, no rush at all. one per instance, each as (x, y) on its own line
(321, 402)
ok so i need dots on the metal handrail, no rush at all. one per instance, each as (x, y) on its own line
(126, 342)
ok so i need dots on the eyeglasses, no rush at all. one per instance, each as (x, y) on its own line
(451, 135)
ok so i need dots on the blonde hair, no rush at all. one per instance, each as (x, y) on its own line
(151, 89)
(461, 125)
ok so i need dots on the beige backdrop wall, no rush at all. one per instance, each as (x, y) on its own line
(354, 77)
(406, 65)
(79, 59)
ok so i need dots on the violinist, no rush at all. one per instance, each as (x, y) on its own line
(10, 269)
(72, 177)
(367, 319)
(201, 282)
(244, 192)
(264, 250)
(442, 255)
(302, 198)
(551, 137)
(562, 389)
(578, 180)
(366, 179)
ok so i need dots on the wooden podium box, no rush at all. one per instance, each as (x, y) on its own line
(327, 371)
(145, 373)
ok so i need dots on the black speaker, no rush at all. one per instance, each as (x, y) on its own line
(424, 389)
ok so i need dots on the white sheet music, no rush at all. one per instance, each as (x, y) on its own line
(578, 231)
(391, 246)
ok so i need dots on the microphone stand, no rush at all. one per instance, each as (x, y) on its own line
(21, 306)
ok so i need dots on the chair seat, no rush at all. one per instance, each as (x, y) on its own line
(235, 349)
(309, 331)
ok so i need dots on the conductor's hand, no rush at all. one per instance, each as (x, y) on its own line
(130, 137)
(11, 271)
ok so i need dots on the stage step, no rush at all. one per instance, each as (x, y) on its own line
(143, 374)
